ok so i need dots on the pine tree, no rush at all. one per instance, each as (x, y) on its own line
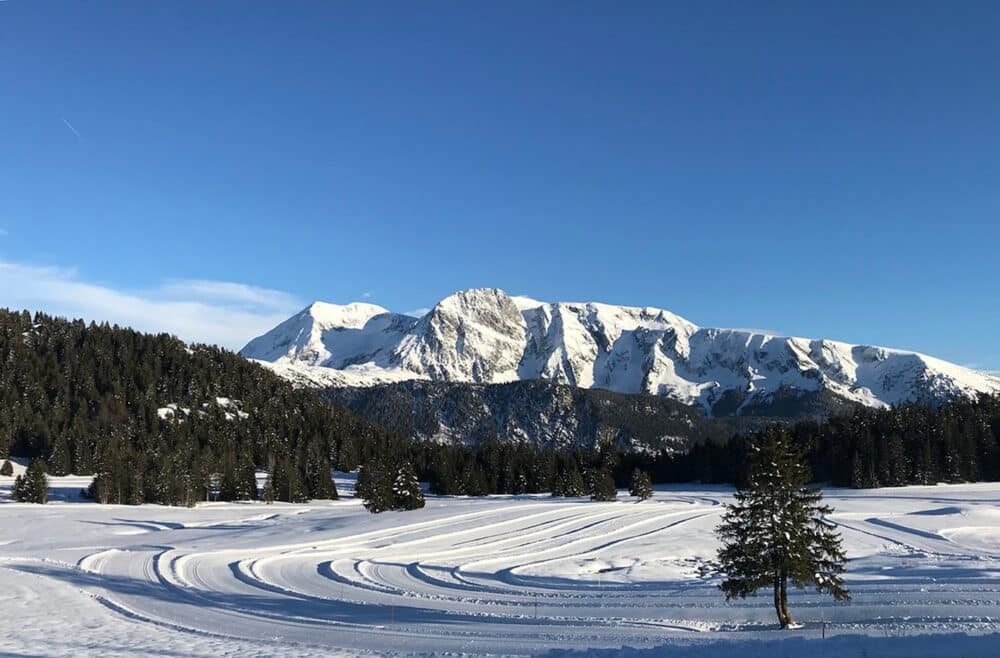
(33, 486)
(7, 469)
(270, 492)
(572, 484)
(296, 491)
(642, 486)
(374, 486)
(246, 478)
(776, 530)
(602, 486)
(407, 494)
(347, 455)
(318, 478)
(60, 458)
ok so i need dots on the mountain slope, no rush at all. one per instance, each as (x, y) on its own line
(486, 336)
(530, 412)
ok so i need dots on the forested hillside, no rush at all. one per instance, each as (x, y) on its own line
(533, 412)
(157, 420)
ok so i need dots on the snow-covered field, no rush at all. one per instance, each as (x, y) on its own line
(503, 575)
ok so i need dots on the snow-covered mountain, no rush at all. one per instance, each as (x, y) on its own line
(488, 336)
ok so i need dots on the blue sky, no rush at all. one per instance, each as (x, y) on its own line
(207, 168)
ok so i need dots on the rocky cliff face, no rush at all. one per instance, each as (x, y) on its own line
(537, 412)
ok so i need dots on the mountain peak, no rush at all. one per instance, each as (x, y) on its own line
(354, 315)
(484, 335)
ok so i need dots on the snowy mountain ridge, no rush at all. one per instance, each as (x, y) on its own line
(486, 336)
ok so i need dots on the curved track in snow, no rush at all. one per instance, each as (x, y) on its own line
(511, 575)
(462, 582)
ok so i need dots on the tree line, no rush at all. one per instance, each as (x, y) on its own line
(909, 444)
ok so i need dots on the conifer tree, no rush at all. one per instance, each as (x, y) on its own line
(246, 478)
(374, 486)
(571, 484)
(776, 532)
(642, 486)
(7, 469)
(407, 494)
(270, 492)
(602, 486)
(347, 455)
(33, 486)
(320, 482)
(296, 491)
(59, 459)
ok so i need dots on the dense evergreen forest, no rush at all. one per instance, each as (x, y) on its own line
(910, 444)
(94, 399)
(156, 420)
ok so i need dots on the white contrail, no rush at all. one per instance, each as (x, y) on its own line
(72, 129)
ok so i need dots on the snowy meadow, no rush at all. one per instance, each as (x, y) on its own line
(507, 575)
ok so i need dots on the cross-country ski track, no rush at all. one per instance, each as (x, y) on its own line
(510, 575)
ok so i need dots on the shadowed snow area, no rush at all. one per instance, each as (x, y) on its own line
(509, 575)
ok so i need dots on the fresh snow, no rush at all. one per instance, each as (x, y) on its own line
(487, 336)
(231, 408)
(502, 575)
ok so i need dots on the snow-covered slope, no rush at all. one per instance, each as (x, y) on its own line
(487, 336)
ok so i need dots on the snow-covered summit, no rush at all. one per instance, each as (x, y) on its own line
(330, 335)
(487, 336)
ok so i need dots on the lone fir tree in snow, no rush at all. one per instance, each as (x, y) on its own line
(776, 530)
(642, 486)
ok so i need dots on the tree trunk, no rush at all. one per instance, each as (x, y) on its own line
(778, 609)
(784, 602)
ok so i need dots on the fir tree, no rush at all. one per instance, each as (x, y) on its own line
(407, 494)
(602, 486)
(642, 486)
(270, 492)
(246, 478)
(374, 486)
(33, 486)
(570, 483)
(347, 455)
(318, 477)
(7, 469)
(776, 530)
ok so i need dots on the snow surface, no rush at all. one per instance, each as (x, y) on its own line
(509, 575)
(231, 408)
(487, 336)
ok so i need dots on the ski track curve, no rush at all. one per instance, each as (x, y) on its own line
(511, 577)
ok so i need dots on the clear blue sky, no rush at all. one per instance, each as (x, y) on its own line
(817, 170)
